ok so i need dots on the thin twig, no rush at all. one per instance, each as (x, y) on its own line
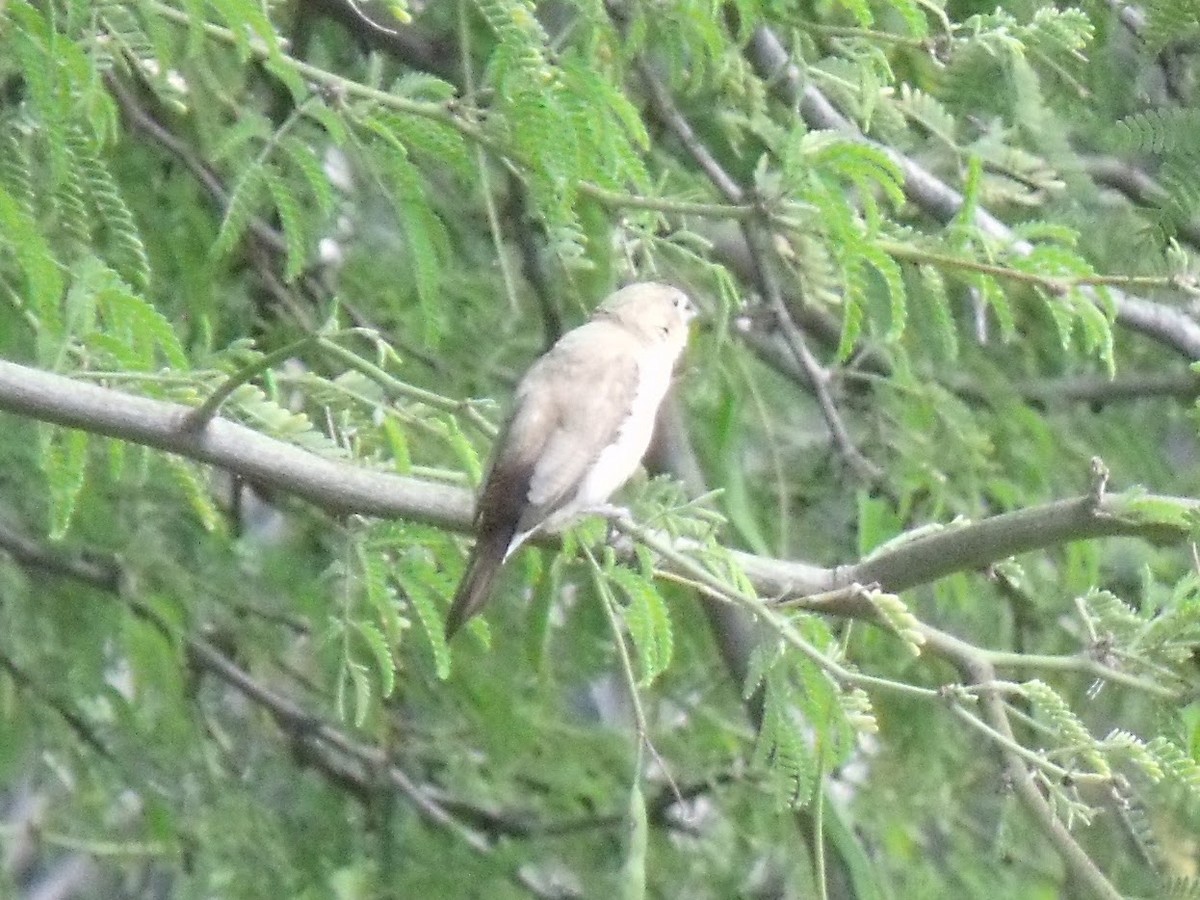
(32, 686)
(394, 387)
(204, 413)
(291, 717)
(141, 119)
(481, 164)
(608, 601)
(766, 52)
(1053, 284)
(753, 229)
(819, 378)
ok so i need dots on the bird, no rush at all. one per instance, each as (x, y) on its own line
(581, 421)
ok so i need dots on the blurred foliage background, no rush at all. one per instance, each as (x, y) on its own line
(941, 402)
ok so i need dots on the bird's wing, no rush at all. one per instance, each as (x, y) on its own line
(499, 511)
(517, 450)
(569, 407)
(594, 372)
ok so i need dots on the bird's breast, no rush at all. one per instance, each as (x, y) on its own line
(616, 462)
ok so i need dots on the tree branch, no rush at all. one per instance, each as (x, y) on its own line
(907, 563)
(1097, 389)
(1162, 323)
(1084, 871)
(765, 276)
(334, 486)
(305, 728)
(139, 119)
(343, 487)
(408, 44)
(1138, 187)
(32, 686)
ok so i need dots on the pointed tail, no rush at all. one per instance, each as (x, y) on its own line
(476, 586)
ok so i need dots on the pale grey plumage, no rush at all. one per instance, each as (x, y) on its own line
(582, 419)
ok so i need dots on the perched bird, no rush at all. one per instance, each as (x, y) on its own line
(581, 421)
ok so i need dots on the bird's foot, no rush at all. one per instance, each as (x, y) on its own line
(610, 511)
(615, 515)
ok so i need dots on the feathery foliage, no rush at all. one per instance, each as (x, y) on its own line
(932, 311)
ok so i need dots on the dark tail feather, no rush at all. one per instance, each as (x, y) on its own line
(476, 586)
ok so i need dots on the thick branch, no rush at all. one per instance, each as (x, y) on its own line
(347, 488)
(1138, 187)
(1084, 871)
(335, 486)
(965, 548)
(1161, 323)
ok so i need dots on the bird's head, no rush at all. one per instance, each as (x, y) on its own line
(653, 311)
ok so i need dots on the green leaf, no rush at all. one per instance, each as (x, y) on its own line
(863, 165)
(435, 143)
(861, 11)
(64, 462)
(1176, 764)
(303, 158)
(375, 570)
(893, 280)
(780, 746)
(154, 668)
(462, 448)
(877, 523)
(378, 645)
(398, 443)
(423, 230)
(965, 218)
(1097, 330)
(128, 252)
(852, 314)
(763, 656)
(648, 622)
(362, 692)
(248, 17)
(197, 492)
(1137, 506)
(20, 233)
(141, 327)
(242, 138)
(914, 17)
(992, 294)
(423, 86)
(17, 169)
(1160, 130)
(41, 58)
(279, 420)
(429, 613)
(295, 232)
(241, 209)
(1069, 728)
(936, 329)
